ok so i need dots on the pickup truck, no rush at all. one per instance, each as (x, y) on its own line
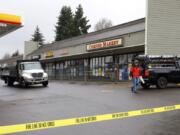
(25, 72)
(159, 70)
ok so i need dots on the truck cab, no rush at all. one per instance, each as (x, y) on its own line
(159, 70)
(32, 73)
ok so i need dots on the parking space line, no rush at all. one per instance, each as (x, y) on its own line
(83, 120)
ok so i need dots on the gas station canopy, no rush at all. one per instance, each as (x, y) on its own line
(9, 23)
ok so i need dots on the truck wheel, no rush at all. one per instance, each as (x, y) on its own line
(145, 86)
(162, 83)
(5, 80)
(45, 84)
(10, 82)
(23, 84)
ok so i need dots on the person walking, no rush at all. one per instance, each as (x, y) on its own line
(135, 73)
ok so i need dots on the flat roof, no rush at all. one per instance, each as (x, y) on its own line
(9, 23)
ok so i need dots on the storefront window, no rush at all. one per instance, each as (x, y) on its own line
(113, 68)
(130, 57)
(103, 66)
(123, 59)
(100, 66)
(94, 65)
(123, 67)
(91, 66)
(109, 67)
(81, 68)
(109, 59)
(50, 69)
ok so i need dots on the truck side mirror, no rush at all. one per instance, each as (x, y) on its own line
(21, 67)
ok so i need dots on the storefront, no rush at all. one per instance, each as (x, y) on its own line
(107, 68)
(98, 64)
(99, 56)
(113, 67)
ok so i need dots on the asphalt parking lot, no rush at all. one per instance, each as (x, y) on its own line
(63, 100)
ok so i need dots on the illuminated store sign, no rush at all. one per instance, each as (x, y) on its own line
(105, 44)
(49, 54)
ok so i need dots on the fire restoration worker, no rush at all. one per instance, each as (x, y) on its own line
(135, 73)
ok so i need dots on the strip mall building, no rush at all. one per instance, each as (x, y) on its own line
(102, 55)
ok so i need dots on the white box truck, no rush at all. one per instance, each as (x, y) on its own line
(25, 72)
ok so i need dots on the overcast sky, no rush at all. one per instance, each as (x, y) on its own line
(45, 12)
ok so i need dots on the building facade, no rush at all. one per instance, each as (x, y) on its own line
(104, 55)
(29, 47)
(163, 27)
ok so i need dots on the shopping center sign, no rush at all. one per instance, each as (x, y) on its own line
(105, 44)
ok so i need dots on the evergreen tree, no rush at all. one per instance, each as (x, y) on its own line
(64, 26)
(80, 22)
(38, 36)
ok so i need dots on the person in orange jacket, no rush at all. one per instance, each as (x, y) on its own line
(135, 73)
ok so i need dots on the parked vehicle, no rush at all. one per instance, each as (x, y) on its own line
(159, 70)
(25, 72)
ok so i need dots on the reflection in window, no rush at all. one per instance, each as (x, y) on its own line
(109, 59)
(123, 59)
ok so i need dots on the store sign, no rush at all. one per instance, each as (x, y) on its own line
(49, 54)
(64, 51)
(105, 44)
(61, 52)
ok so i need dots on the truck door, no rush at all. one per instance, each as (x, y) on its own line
(20, 68)
(178, 71)
(175, 74)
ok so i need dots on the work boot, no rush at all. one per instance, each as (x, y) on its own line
(135, 92)
(132, 89)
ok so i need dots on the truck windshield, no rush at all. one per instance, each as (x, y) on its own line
(32, 65)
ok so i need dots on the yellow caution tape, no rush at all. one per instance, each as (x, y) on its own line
(82, 120)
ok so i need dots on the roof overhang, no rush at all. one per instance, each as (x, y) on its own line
(9, 23)
(100, 53)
